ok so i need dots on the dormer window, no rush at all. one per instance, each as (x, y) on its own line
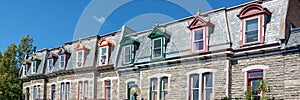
(24, 70)
(105, 46)
(34, 66)
(198, 40)
(253, 17)
(158, 37)
(79, 60)
(199, 29)
(62, 61)
(81, 51)
(129, 46)
(50, 65)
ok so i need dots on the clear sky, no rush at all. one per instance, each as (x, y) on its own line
(53, 22)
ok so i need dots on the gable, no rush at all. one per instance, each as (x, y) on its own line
(158, 32)
(129, 40)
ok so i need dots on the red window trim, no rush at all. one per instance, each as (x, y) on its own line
(83, 87)
(205, 40)
(202, 82)
(252, 78)
(253, 10)
(106, 87)
(107, 56)
(191, 86)
(105, 43)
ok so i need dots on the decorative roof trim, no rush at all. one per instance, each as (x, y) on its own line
(105, 42)
(63, 51)
(198, 21)
(51, 55)
(253, 9)
(80, 46)
(129, 40)
(159, 32)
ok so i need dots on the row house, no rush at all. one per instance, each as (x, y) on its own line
(207, 56)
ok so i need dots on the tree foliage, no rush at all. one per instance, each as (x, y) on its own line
(10, 85)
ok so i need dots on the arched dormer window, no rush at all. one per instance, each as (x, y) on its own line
(159, 37)
(81, 51)
(254, 18)
(104, 48)
(199, 29)
(35, 62)
(64, 55)
(51, 59)
(129, 46)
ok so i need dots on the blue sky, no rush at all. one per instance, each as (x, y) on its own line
(53, 22)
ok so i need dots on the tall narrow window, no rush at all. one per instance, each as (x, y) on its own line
(164, 88)
(52, 92)
(251, 32)
(153, 89)
(103, 55)
(27, 94)
(194, 87)
(157, 48)
(50, 65)
(36, 92)
(207, 86)
(107, 88)
(34, 67)
(86, 89)
(253, 80)
(24, 70)
(127, 54)
(79, 58)
(129, 86)
(62, 91)
(80, 90)
(62, 61)
(67, 91)
(198, 41)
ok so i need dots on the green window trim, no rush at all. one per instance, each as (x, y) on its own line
(158, 33)
(131, 54)
(129, 85)
(162, 47)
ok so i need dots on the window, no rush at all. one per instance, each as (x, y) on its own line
(83, 90)
(129, 86)
(65, 91)
(164, 88)
(194, 87)
(52, 92)
(251, 32)
(198, 41)
(203, 93)
(153, 89)
(27, 94)
(34, 67)
(24, 70)
(50, 65)
(62, 61)
(157, 48)
(79, 60)
(36, 92)
(107, 89)
(103, 55)
(254, 76)
(127, 54)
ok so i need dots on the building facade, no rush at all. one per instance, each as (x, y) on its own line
(207, 56)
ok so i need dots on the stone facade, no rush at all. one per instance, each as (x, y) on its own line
(98, 62)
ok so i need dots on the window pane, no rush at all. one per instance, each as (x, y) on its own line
(255, 84)
(62, 58)
(157, 53)
(127, 58)
(198, 45)
(207, 93)
(255, 74)
(154, 95)
(208, 80)
(129, 86)
(195, 81)
(34, 66)
(103, 51)
(68, 90)
(196, 94)
(251, 36)
(252, 25)
(127, 50)
(198, 35)
(107, 83)
(157, 43)
(164, 83)
(154, 84)
(108, 95)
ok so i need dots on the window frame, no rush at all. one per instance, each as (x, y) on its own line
(162, 90)
(37, 92)
(203, 88)
(191, 89)
(162, 42)
(82, 58)
(24, 70)
(52, 94)
(159, 85)
(34, 67)
(203, 39)
(152, 89)
(62, 61)
(86, 89)
(130, 54)
(259, 32)
(128, 89)
(52, 65)
(106, 55)
(250, 79)
(105, 91)
(65, 95)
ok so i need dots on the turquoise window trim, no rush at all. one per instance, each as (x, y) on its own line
(130, 54)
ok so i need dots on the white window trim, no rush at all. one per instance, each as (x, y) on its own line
(130, 80)
(32, 64)
(130, 54)
(24, 70)
(82, 59)
(50, 93)
(64, 82)
(200, 72)
(106, 59)
(161, 48)
(260, 67)
(159, 76)
(204, 39)
(64, 55)
(258, 26)
(49, 66)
